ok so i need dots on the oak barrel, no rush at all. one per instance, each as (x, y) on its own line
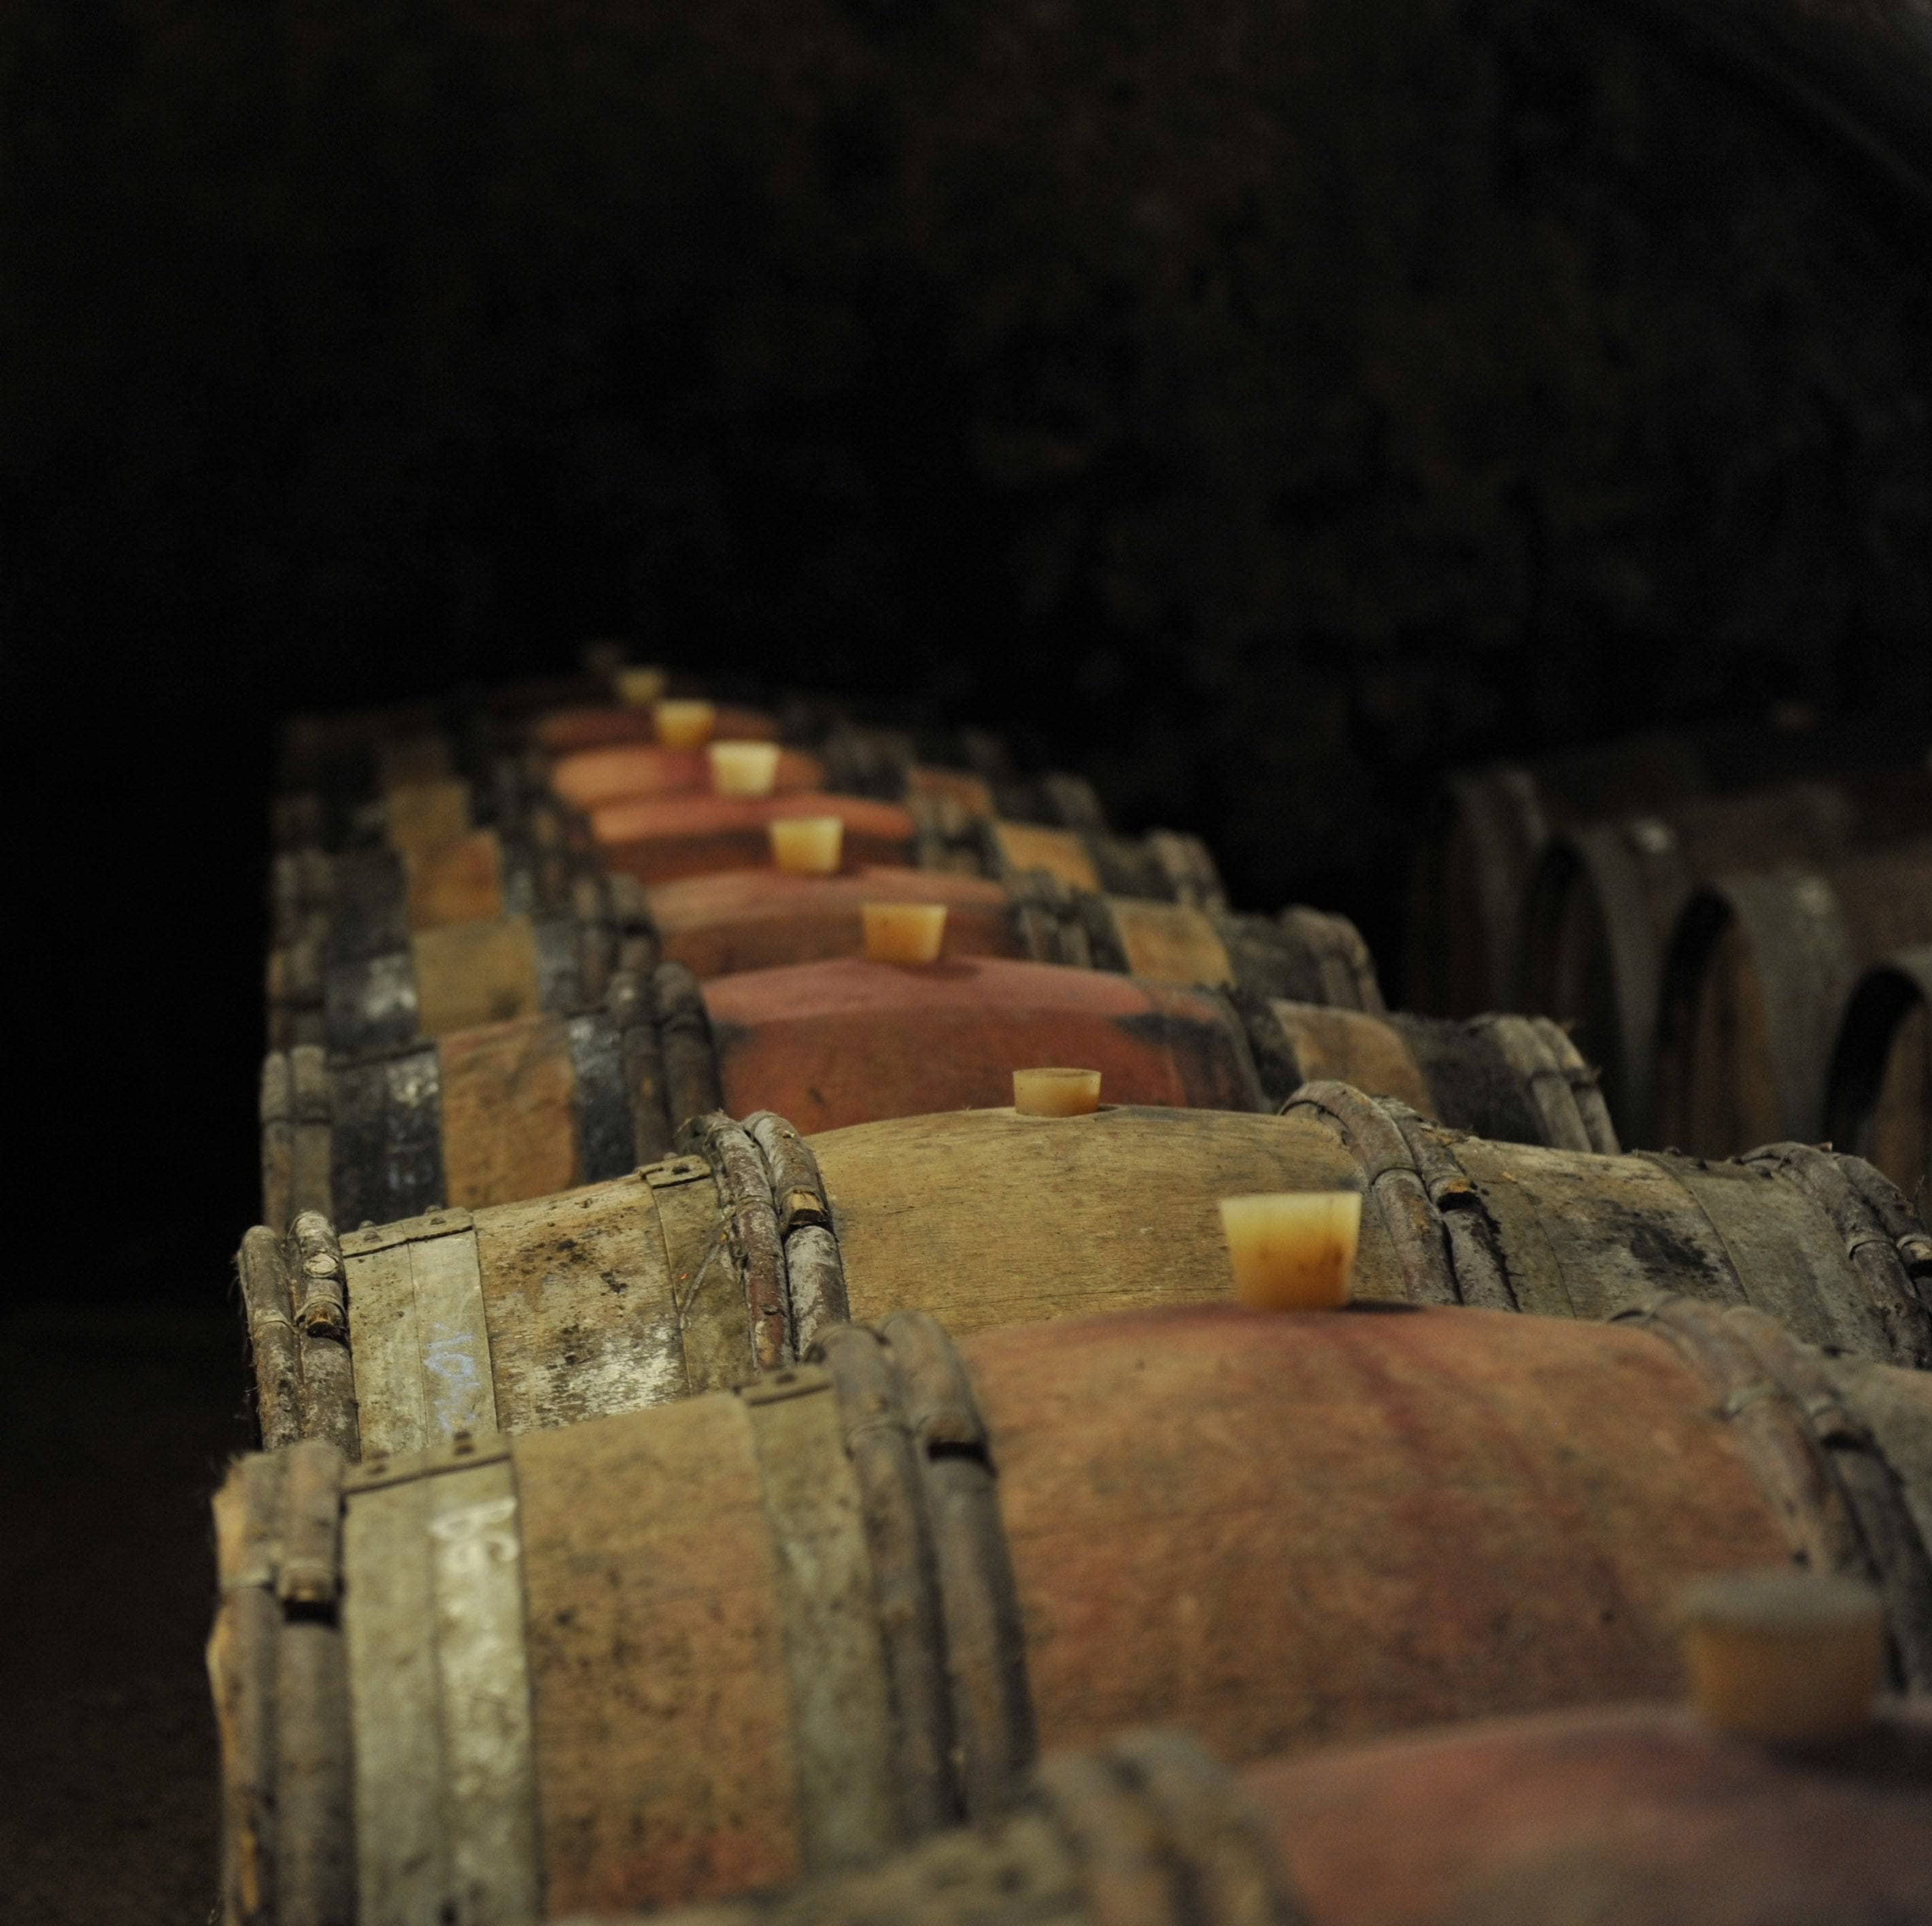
(697, 1650)
(1606, 896)
(1759, 970)
(1517, 1077)
(1472, 880)
(1637, 1814)
(730, 1257)
(735, 920)
(523, 1108)
(589, 779)
(1878, 1097)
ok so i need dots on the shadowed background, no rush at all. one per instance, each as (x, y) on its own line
(1259, 407)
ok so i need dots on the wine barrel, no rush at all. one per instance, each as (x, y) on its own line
(1517, 1077)
(665, 839)
(658, 839)
(1879, 1096)
(1605, 898)
(1639, 1814)
(730, 1258)
(1823, 1242)
(1467, 910)
(521, 1109)
(1756, 982)
(588, 778)
(737, 920)
(697, 1650)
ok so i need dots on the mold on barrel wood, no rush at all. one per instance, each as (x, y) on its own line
(1140, 1553)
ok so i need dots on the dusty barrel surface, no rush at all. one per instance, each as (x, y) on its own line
(1637, 1813)
(1606, 896)
(522, 1108)
(1879, 1097)
(706, 1648)
(730, 1258)
(1759, 970)
(1823, 1243)
(1517, 1077)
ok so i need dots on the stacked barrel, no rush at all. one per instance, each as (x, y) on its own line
(812, 1294)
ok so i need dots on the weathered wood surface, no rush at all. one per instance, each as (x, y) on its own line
(1879, 1096)
(1824, 1244)
(1606, 896)
(1545, 1487)
(650, 1288)
(1641, 1814)
(1517, 1077)
(846, 1042)
(1760, 972)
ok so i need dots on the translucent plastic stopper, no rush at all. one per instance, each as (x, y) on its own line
(1056, 1093)
(808, 845)
(1292, 1250)
(639, 688)
(1789, 1656)
(903, 932)
(744, 768)
(685, 725)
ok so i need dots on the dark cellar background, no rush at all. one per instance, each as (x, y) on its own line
(1260, 408)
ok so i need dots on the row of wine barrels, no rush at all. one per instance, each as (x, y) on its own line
(666, 838)
(1471, 880)
(1643, 1815)
(1605, 898)
(1879, 1100)
(705, 1268)
(521, 1109)
(853, 763)
(375, 969)
(699, 1649)
(1755, 984)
